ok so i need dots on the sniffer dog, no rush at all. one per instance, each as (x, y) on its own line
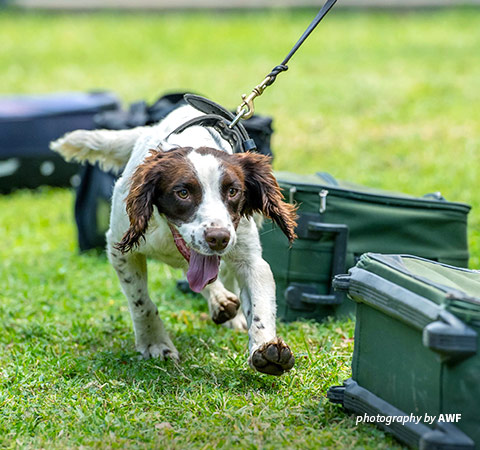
(188, 201)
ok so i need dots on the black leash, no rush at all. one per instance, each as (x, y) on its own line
(246, 109)
(223, 121)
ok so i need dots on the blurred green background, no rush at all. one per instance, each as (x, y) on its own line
(387, 99)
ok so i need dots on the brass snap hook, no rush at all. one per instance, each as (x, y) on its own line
(246, 109)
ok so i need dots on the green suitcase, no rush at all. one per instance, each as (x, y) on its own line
(416, 350)
(340, 221)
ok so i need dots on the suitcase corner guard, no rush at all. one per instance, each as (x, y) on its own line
(445, 436)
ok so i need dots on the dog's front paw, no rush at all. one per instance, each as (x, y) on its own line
(273, 358)
(160, 350)
(224, 307)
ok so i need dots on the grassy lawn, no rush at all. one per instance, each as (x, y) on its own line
(381, 99)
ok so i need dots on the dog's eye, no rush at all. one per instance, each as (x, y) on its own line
(182, 193)
(232, 192)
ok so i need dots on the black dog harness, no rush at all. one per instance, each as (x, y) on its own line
(217, 117)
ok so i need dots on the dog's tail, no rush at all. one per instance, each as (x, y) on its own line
(110, 148)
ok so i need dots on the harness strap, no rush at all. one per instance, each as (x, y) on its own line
(208, 106)
(236, 137)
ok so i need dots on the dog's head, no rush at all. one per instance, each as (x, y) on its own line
(203, 194)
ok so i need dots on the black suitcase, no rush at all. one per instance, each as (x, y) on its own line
(27, 125)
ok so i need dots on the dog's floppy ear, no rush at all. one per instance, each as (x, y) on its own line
(263, 193)
(139, 202)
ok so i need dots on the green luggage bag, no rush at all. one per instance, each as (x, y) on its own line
(416, 353)
(340, 221)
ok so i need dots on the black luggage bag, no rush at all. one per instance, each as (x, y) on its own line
(28, 124)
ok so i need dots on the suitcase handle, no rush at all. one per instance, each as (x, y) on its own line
(449, 336)
(305, 296)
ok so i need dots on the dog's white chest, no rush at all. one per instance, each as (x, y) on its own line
(159, 244)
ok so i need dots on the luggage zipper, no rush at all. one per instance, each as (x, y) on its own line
(322, 194)
(435, 196)
(370, 196)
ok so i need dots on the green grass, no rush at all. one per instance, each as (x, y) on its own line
(386, 100)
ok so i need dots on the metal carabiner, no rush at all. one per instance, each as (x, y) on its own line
(246, 109)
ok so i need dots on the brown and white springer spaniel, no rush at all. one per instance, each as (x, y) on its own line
(186, 200)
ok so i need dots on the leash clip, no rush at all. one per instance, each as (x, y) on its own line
(246, 109)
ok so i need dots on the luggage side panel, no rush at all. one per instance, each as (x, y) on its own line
(439, 235)
(391, 362)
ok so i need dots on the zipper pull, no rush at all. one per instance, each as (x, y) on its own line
(291, 195)
(323, 200)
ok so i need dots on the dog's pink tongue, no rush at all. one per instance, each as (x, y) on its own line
(202, 270)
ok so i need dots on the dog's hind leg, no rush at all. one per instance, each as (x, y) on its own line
(151, 339)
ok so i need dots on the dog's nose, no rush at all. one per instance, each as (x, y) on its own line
(217, 238)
